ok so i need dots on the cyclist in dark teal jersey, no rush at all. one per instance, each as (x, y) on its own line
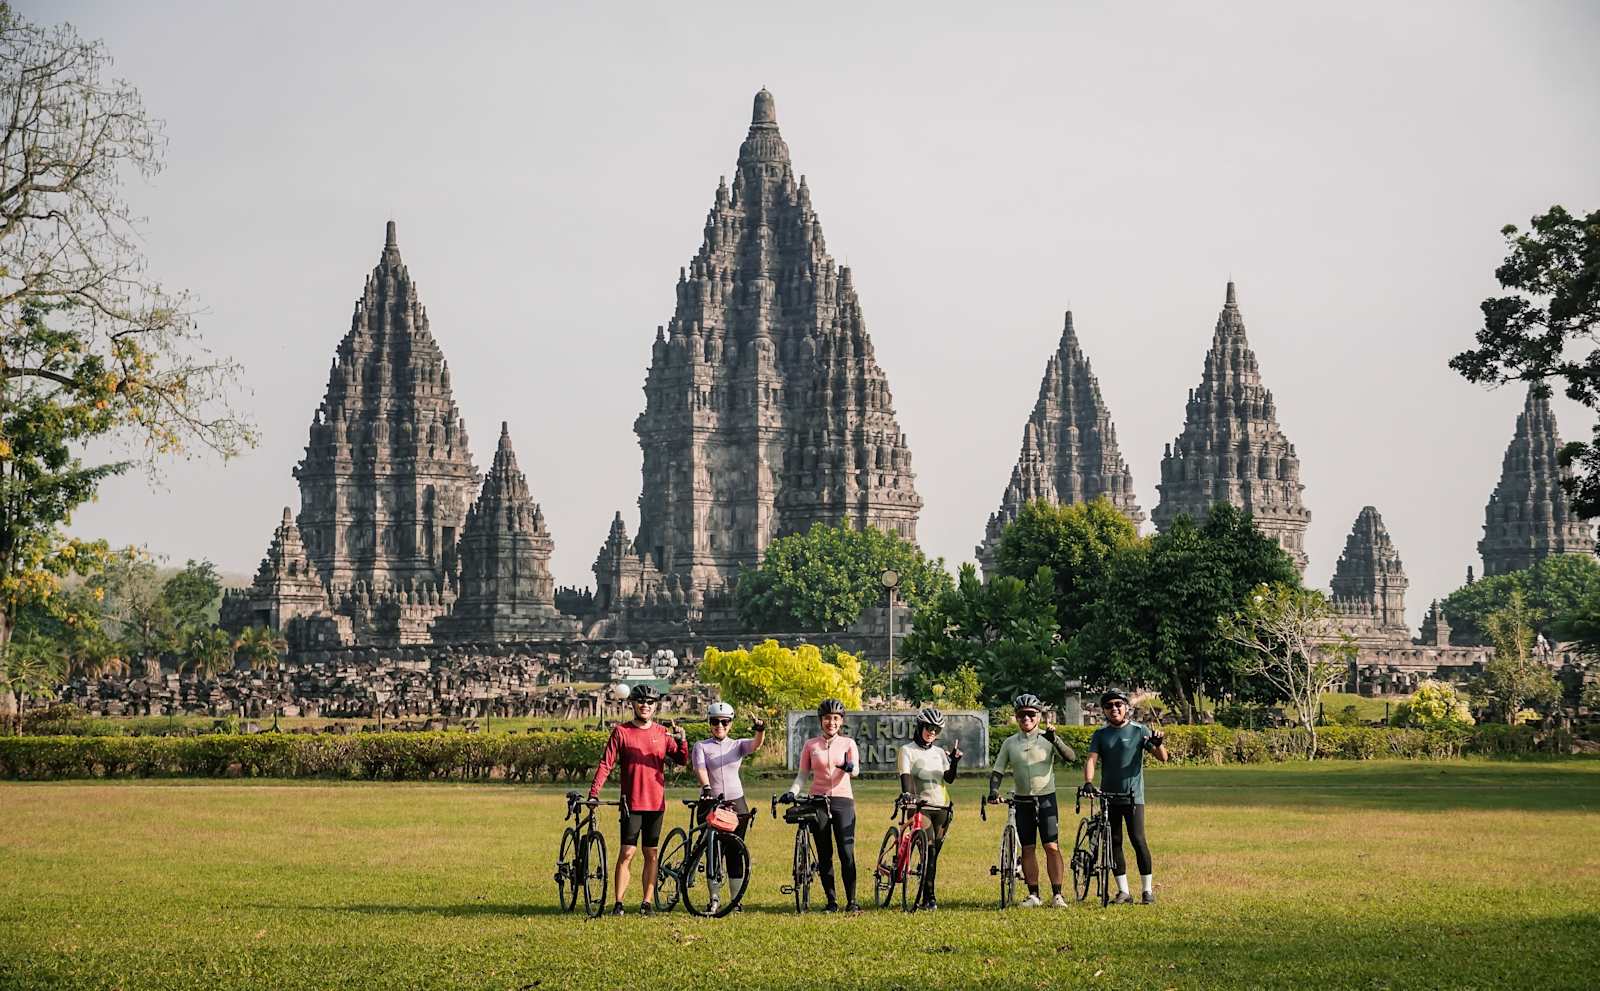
(1121, 745)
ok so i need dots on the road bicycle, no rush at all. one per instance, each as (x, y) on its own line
(907, 857)
(1091, 852)
(693, 866)
(804, 813)
(1009, 868)
(581, 864)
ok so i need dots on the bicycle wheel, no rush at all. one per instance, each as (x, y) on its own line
(1102, 843)
(670, 875)
(1082, 862)
(709, 890)
(916, 869)
(1008, 867)
(566, 883)
(884, 874)
(805, 868)
(595, 875)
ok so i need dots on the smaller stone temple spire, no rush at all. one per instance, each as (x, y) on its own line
(285, 587)
(1528, 517)
(1369, 584)
(1069, 448)
(506, 590)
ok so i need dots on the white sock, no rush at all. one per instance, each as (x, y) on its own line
(1147, 882)
(1122, 883)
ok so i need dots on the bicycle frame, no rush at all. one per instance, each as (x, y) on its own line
(1009, 858)
(802, 874)
(1092, 853)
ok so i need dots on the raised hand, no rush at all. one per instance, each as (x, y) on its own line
(955, 751)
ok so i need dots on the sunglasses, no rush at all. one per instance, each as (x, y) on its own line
(721, 722)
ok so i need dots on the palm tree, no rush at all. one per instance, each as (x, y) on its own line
(208, 651)
(262, 647)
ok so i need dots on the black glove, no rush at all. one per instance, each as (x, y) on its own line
(1156, 740)
(758, 725)
(1050, 733)
(907, 799)
(994, 798)
(705, 792)
(786, 798)
(848, 766)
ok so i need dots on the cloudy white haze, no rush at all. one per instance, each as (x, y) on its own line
(981, 169)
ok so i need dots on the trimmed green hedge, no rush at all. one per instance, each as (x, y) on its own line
(1222, 745)
(571, 756)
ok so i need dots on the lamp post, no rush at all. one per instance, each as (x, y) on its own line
(890, 579)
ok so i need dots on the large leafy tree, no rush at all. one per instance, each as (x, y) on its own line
(1545, 328)
(1004, 628)
(824, 578)
(193, 596)
(90, 346)
(1552, 591)
(1156, 622)
(1076, 542)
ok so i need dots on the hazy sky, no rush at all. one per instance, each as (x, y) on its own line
(550, 168)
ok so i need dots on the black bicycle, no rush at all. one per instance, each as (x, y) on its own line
(581, 865)
(906, 857)
(1091, 852)
(1008, 868)
(804, 813)
(693, 866)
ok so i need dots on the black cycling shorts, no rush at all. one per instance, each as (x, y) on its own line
(642, 828)
(1038, 817)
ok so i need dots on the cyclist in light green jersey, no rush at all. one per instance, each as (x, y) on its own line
(1030, 754)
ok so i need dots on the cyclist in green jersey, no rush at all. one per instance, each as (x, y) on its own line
(1031, 753)
(1121, 744)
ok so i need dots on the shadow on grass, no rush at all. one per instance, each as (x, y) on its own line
(462, 911)
(1421, 786)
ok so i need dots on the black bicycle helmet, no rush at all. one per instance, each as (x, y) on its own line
(830, 707)
(1027, 700)
(1114, 695)
(644, 693)
(930, 716)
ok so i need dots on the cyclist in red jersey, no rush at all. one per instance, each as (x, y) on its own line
(643, 746)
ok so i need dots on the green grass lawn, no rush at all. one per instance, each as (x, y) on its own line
(1336, 875)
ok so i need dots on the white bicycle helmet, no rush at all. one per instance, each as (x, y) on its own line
(719, 710)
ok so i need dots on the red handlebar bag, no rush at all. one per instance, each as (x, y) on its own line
(723, 819)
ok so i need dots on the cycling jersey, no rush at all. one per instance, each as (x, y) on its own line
(1121, 750)
(928, 768)
(644, 752)
(721, 759)
(821, 757)
(1032, 760)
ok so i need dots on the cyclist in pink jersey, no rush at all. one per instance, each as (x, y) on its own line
(832, 760)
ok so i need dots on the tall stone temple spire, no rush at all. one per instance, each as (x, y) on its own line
(1069, 447)
(506, 590)
(387, 474)
(1369, 584)
(765, 409)
(1231, 448)
(1528, 517)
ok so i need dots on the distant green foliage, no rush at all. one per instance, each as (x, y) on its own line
(1004, 629)
(824, 578)
(1554, 590)
(1155, 623)
(1076, 542)
(773, 678)
(1434, 705)
(959, 689)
